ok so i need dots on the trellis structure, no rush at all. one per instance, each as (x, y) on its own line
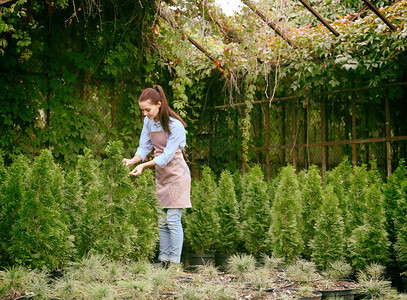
(294, 145)
(323, 147)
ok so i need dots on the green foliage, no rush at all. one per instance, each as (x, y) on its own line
(144, 217)
(74, 205)
(241, 265)
(328, 242)
(13, 189)
(312, 194)
(369, 242)
(202, 221)
(340, 178)
(49, 217)
(255, 212)
(302, 270)
(227, 209)
(285, 230)
(338, 270)
(116, 234)
(88, 169)
(39, 236)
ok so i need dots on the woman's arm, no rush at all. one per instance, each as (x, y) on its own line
(139, 169)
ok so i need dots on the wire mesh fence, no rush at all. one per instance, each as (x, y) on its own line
(357, 124)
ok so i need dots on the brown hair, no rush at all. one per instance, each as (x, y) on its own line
(156, 95)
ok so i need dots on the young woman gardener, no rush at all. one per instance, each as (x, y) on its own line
(164, 131)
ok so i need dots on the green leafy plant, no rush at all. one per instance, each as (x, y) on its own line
(337, 270)
(88, 170)
(241, 265)
(40, 235)
(340, 178)
(255, 212)
(285, 230)
(395, 192)
(271, 262)
(328, 223)
(202, 223)
(144, 216)
(208, 270)
(117, 234)
(227, 209)
(13, 191)
(369, 242)
(312, 195)
(75, 206)
(372, 284)
(302, 270)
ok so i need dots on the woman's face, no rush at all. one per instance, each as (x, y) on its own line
(150, 110)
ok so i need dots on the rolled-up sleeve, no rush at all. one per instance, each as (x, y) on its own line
(176, 139)
(146, 145)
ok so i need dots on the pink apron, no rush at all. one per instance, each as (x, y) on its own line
(173, 182)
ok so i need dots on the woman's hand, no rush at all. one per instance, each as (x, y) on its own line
(131, 161)
(127, 162)
(137, 170)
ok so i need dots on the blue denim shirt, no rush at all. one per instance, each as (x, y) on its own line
(176, 139)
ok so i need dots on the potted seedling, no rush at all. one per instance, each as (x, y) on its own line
(201, 222)
(334, 282)
(373, 285)
(241, 265)
(227, 209)
(301, 271)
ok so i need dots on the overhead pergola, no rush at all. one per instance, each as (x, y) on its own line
(289, 41)
(275, 26)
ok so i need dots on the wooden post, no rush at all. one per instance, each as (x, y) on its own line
(353, 131)
(294, 135)
(388, 149)
(323, 138)
(283, 129)
(268, 141)
(243, 155)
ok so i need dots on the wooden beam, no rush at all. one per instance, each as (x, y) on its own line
(358, 13)
(167, 18)
(379, 14)
(269, 22)
(388, 148)
(354, 154)
(294, 134)
(267, 108)
(319, 17)
(323, 138)
(333, 143)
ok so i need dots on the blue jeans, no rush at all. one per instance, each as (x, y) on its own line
(171, 235)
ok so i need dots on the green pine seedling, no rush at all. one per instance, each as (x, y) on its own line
(312, 194)
(328, 242)
(340, 178)
(88, 170)
(255, 212)
(144, 217)
(74, 205)
(202, 223)
(12, 192)
(115, 230)
(40, 235)
(395, 202)
(369, 242)
(285, 231)
(228, 212)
